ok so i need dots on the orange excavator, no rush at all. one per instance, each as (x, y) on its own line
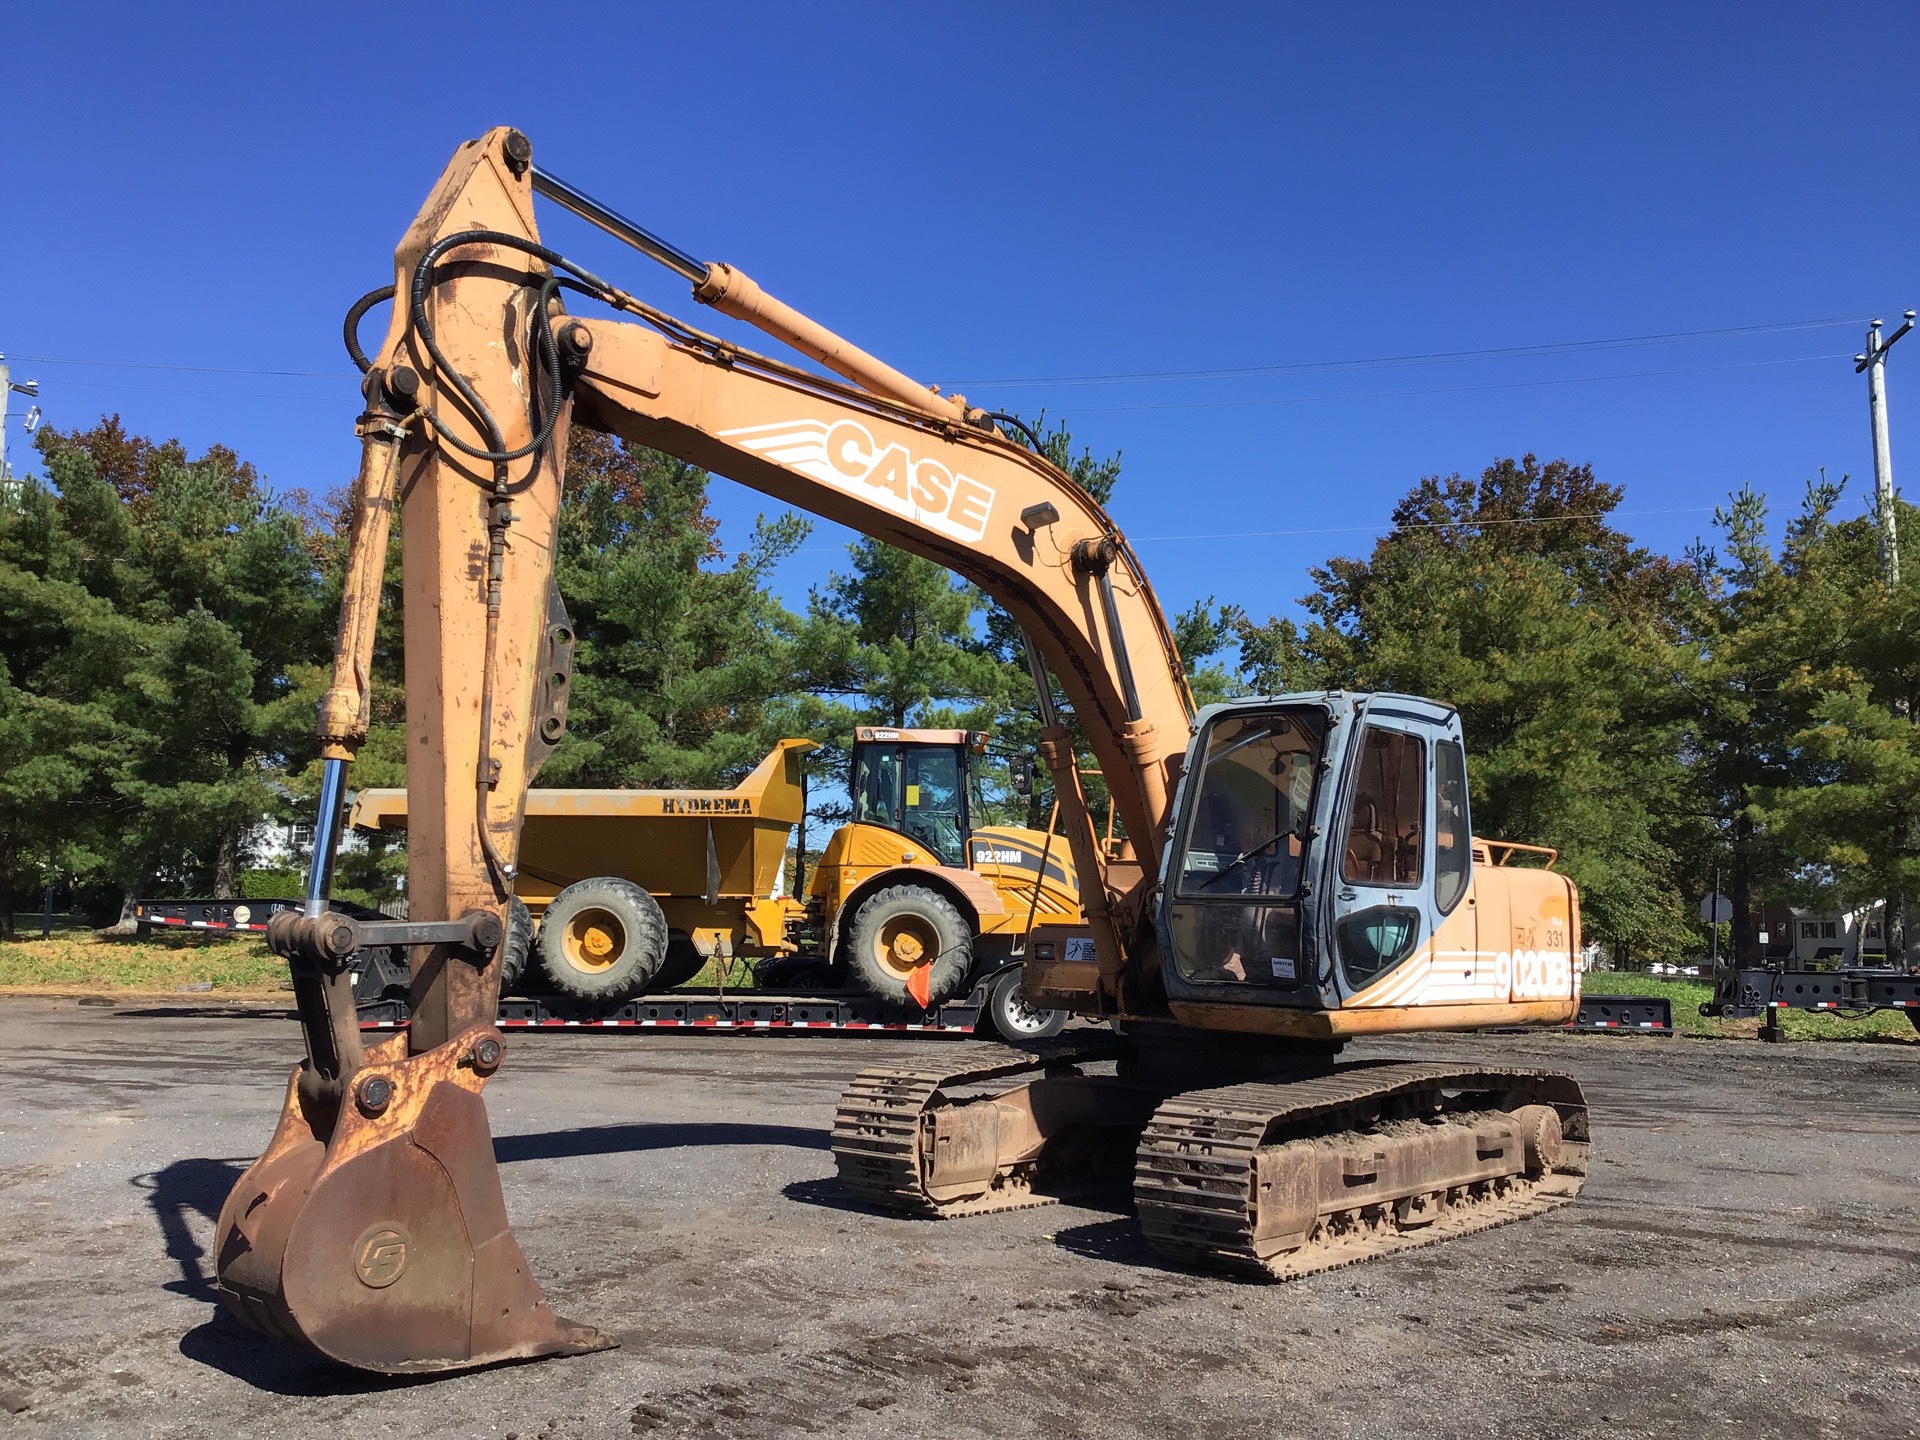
(1297, 869)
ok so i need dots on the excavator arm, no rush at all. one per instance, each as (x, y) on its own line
(372, 1229)
(871, 449)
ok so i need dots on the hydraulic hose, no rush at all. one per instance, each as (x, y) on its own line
(355, 312)
(1006, 419)
(496, 451)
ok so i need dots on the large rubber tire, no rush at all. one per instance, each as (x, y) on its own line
(1009, 1016)
(513, 959)
(603, 939)
(683, 962)
(905, 928)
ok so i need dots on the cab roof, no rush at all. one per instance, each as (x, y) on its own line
(906, 735)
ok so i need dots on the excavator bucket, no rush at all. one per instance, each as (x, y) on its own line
(377, 1235)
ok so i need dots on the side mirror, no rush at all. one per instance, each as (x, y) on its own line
(1023, 776)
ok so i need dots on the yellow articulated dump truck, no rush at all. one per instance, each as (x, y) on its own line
(914, 915)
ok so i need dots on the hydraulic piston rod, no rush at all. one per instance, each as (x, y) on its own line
(1095, 558)
(733, 293)
(326, 834)
(618, 226)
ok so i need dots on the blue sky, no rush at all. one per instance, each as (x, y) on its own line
(1040, 193)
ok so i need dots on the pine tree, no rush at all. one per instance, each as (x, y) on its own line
(61, 746)
(1850, 820)
(1756, 629)
(902, 633)
(182, 597)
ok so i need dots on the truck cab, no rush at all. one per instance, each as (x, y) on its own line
(915, 842)
(918, 783)
(924, 786)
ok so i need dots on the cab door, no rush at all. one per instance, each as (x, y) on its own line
(1465, 969)
(1384, 909)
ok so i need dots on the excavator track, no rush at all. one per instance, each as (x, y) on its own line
(1209, 1160)
(878, 1126)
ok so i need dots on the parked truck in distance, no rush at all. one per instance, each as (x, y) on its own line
(914, 911)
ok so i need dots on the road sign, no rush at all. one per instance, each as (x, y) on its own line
(1715, 909)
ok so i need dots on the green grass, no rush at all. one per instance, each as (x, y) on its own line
(1688, 994)
(159, 964)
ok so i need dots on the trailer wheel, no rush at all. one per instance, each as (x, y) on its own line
(1012, 1018)
(682, 964)
(513, 955)
(910, 945)
(603, 939)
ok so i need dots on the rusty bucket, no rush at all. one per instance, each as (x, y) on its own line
(373, 1229)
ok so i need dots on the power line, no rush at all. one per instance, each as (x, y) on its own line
(1562, 347)
(1425, 525)
(1441, 390)
(1437, 357)
(1365, 529)
(194, 390)
(194, 369)
(1104, 409)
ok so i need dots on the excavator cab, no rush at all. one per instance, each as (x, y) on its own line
(1320, 841)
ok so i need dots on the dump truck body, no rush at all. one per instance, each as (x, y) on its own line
(713, 859)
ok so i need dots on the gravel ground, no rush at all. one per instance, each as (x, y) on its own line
(1742, 1262)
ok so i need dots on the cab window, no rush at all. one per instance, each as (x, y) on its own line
(877, 790)
(1252, 808)
(1452, 831)
(1235, 915)
(933, 803)
(1384, 826)
(918, 790)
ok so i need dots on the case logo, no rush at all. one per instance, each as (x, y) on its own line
(845, 455)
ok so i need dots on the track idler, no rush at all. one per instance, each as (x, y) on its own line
(373, 1229)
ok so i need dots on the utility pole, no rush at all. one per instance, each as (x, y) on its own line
(1874, 361)
(1894, 921)
(8, 389)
